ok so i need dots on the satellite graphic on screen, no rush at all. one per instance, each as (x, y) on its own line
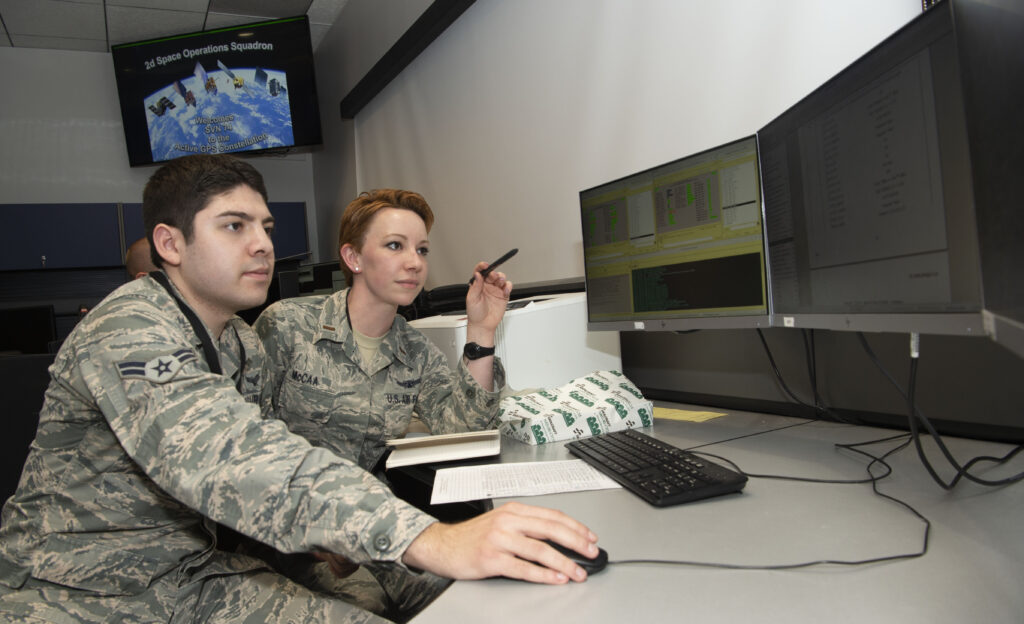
(245, 88)
(208, 83)
(223, 110)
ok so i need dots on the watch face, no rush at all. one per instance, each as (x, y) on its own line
(474, 351)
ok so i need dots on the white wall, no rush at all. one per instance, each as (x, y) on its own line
(519, 105)
(61, 138)
(61, 128)
(364, 31)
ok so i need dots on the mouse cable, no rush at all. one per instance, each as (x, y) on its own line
(852, 446)
(752, 434)
(915, 414)
(873, 479)
(818, 409)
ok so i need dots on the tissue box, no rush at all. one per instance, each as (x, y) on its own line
(597, 403)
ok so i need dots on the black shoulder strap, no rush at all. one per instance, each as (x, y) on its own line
(209, 351)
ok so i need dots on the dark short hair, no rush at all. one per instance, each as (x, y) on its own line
(355, 221)
(184, 186)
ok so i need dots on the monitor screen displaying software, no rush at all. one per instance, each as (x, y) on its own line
(869, 206)
(679, 246)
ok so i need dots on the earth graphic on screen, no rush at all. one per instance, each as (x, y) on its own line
(231, 110)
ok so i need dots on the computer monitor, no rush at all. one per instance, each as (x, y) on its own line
(678, 246)
(27, 329)
(875, 183)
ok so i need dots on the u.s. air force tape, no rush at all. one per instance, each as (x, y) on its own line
(160, 369)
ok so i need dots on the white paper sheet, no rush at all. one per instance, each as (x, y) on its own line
(466, 483)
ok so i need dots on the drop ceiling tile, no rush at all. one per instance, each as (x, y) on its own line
(197, 6)
(53, 18)
(223, 20)
(267, 8)
(129, 24)
(64, 24)
(60, 43)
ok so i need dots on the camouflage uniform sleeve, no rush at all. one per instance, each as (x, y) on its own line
(452, 401)
(270, 327)
(192, 433)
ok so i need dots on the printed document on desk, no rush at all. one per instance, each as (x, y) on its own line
(468, 483)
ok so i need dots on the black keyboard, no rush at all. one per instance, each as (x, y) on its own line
(656, 471)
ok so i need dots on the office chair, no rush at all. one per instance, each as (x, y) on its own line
(23, 381)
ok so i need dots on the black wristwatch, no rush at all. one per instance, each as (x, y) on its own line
(473, 351)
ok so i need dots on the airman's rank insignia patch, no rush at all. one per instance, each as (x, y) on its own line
(160, 369)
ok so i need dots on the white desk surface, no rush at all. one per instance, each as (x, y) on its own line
(973, 571)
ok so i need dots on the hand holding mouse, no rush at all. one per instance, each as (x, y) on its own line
(506, 541)
(592, 565)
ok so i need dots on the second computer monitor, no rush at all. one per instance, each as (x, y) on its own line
(678, 246)
(870, 192)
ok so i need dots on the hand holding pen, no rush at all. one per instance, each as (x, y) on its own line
(486, 303)
(494, 265)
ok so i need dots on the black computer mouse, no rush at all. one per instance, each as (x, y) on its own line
(592, 566)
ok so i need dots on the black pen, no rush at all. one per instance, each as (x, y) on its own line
(495, 264)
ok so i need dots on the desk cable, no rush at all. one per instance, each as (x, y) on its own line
(819, 406)
(914, 415)
(872, 478)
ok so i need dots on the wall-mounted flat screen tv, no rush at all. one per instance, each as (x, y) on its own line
(244, 88)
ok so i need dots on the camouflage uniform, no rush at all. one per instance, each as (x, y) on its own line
(140, 449)
(321, 387)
